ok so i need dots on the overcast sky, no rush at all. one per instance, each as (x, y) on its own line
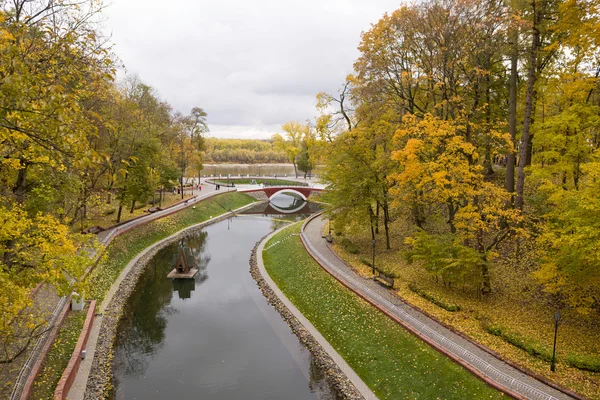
(252, 65)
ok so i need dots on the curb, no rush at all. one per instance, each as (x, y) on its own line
(285, 306)
(142, 223)
(111, 306)
(68, 376)
(410, 328)
(37, 367)
(491, 352)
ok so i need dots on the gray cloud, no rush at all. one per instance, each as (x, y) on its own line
(252, 65)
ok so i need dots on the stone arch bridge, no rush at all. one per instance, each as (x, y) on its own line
(271, 191)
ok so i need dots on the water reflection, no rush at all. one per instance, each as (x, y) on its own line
(184, 287)
(285, 206)
(281, 170)
(216, 338)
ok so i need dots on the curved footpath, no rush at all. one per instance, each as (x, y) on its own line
(493, 370)
(337, 359)
(81, 380)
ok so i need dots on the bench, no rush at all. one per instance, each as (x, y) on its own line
(93, 229)
(153, 209)
(384, 280)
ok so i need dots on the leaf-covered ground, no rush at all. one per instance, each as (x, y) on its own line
(58, 356)
(119, 253)
(105, 215)
(393, 362)
(517, 304)
(125, 247)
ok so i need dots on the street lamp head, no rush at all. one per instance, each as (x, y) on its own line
(557, 316)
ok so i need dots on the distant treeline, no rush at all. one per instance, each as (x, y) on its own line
(242, 151)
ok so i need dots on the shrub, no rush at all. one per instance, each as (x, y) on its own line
(584, 361)
(349, 246)
(365, 261)
(529, 345)
(433, 299)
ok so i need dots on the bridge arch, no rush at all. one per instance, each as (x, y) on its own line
(287, 211)
(288, 190)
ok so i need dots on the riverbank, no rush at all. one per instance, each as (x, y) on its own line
(334, 375)
(515, 321)
(373, 345)
(117, 269)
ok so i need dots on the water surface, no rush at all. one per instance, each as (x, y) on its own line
(214, 337)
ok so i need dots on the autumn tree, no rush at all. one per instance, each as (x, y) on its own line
(290, 141)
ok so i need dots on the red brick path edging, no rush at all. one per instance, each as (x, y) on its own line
(409, 328)
(145, 215)
(37, 367)
(69, 374)
(171, 212)
(524, 370)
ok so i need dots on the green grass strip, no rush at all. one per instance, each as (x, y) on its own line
(392, 362)
(58, 356)
(125, 247)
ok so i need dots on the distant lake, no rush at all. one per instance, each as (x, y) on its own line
(251, 169)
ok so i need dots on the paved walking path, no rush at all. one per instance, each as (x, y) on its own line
(340, 362)
(208, 190)
(478, 359)
(77, 391)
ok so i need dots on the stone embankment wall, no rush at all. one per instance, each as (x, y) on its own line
(334, 375)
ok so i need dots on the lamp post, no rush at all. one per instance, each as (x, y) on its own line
(373, 261)
(556, 319)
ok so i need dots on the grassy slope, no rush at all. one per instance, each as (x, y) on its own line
(394, 363)
(516, 304)
(58, 356)
(105, 215)
(125, 247)
(119, 253)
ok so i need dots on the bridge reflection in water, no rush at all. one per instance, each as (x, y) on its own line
(285, 203)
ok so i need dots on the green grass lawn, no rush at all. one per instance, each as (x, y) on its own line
(126, 246)
(58, 356)
(270, 181)
(391, 361)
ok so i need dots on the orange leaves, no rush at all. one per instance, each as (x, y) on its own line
(435, 159)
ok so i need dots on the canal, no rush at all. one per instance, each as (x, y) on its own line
(213, 337)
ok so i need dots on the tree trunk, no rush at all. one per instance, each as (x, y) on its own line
(119, 212)
(295, 169)
(372, 222)
(485, 275)
(377, 219)
(386, 219)
(111, 183)
(132, 207)
(512, 112)
(19, 187)
(181, 185)
(525, 145)
(451, 214)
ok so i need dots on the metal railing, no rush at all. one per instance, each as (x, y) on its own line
(470, 358)
(35, 353)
